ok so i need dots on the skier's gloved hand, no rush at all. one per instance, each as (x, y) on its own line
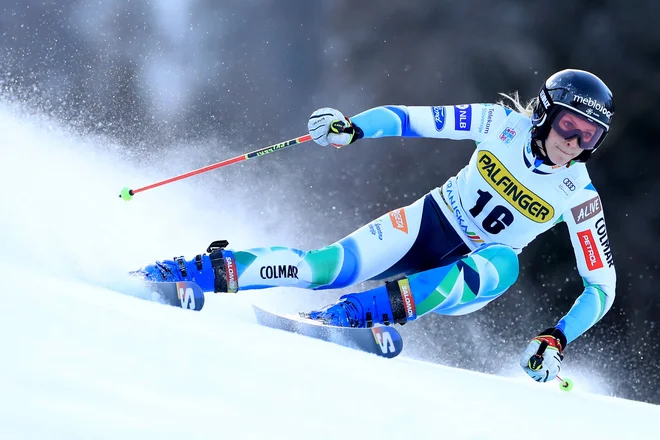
(329, 126)
(542, 358)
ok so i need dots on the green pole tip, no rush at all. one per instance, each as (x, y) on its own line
(126, 194)
(566, 385)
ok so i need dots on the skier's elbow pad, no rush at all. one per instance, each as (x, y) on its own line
(610, 294)
(606, 293)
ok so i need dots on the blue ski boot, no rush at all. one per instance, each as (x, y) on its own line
(207, 271)
(388, 304)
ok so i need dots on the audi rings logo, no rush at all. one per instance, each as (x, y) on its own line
(569, 184)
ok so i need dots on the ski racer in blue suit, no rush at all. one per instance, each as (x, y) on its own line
(455, 249)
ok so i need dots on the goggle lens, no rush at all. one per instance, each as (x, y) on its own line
(569, 124)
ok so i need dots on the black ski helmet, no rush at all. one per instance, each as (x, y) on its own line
(578, 91)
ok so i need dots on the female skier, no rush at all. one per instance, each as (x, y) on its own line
(455, 249)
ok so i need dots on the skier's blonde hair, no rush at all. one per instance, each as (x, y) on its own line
(526, 109)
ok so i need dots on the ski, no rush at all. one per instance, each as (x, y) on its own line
(381, 341)
(182, 294)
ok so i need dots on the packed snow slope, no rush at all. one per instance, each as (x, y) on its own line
(83, 357)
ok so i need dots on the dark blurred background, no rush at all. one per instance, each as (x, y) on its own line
(212, 79)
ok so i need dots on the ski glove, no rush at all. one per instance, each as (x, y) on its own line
(328, 126)
(542, 358)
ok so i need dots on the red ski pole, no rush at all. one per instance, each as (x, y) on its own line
(127, 193)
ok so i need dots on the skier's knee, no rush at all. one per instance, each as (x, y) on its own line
(504, 260)
(332, 267)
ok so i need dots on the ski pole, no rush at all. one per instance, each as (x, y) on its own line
(127, 193)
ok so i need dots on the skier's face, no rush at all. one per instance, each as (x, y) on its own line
(559, 150)
(567, 134)
(570, 135)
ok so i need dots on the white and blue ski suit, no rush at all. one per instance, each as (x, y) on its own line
(504, 195)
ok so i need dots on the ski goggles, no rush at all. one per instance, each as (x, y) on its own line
(570, 124)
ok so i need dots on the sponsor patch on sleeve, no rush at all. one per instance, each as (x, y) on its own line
(591, 255)
(604, 241)
(463, 117)
(438, 117)
(585, 211)
(486, 120)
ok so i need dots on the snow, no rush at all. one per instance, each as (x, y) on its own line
(85, 358)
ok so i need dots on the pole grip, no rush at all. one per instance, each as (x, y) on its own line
(542, 347)
(536, 361)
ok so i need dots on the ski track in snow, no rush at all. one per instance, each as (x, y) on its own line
(84, 358)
